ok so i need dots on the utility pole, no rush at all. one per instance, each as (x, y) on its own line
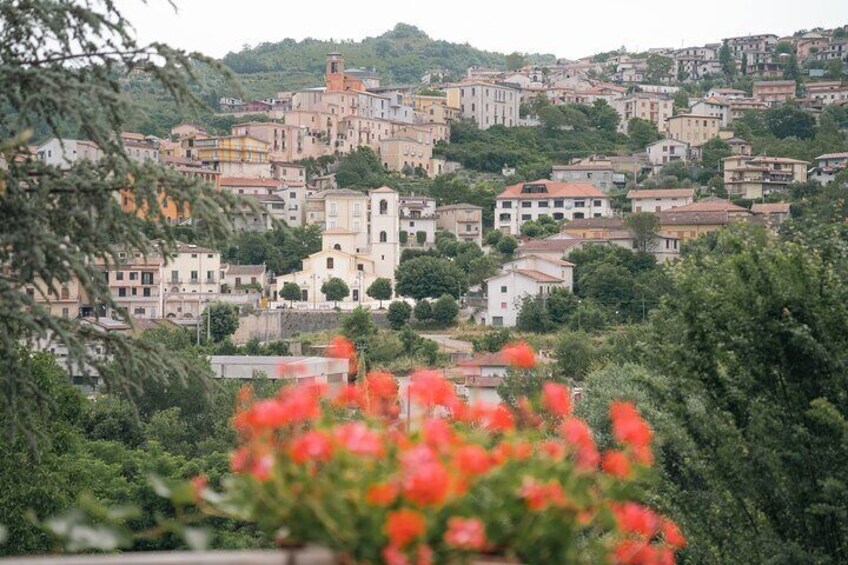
(208, 323)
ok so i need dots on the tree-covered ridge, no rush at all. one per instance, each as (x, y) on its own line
(400, 56)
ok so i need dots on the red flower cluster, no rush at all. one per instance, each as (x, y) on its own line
(306, 449)
(519, 355)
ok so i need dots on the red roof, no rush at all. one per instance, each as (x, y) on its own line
(711, 205)
(549, 245)
(485, 360)
(551, 190)
(771, 208)
(538, 276)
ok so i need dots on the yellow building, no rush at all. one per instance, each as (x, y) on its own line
(235, 155)
(405, 152)
(693, 129)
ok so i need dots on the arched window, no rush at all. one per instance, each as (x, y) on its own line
(383, 237)
(384, 207)
(337, 247)
(329, 262)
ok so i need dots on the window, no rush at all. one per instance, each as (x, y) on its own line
(122, 291)
(66, 312)
(543, 203)
(146, 292)
(134, 291)
(558, 203)
(195, 276)
(65, 293)
(506, 204)
(503, 289)
(138, 311)
(383, 237)
(329, 262)
(360, 267)
(175, 276)
(468, 227)
(133, 275)
(526, 204)
(147, 278)
(210, 276)
(525, 217)
(558, 215)
(337, 247)
(384, 207)
(119, 276)
(597, 203)
(505, 217)
(579, 204)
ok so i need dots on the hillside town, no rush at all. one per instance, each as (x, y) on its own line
(541, 309)
(364, 232)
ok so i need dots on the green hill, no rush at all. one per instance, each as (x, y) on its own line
(400, 56)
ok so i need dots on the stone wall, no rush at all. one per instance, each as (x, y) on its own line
(272, 325)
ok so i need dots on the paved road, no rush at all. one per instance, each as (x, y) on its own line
(447, 343)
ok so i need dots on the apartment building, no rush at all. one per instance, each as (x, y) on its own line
(827, 166)
(693, 129)
(774, 92)
(406, 154)
(192, 280)
(755, 177)
(655, 108)
(827, 92)
(713, 107)
(465, 221)
(660, 200)
(488, 104)
(665, 151)
(135, 285)
(417, 216)
(235, 156)
(561, 201)
(596, 170)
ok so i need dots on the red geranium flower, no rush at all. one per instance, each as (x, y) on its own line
(359, 439)
(429, 388)
(519, 355)
(557, 399)
(403, 526)
(672, 535)
(427, 485)
(342, 348)
(629, 428)
(438, 434)
(312, 446)
(634, 518)
(578, 434)
(616, 463)
(382, 494)
(473, 460)
(466, 533)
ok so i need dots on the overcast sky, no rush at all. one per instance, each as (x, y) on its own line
(567, 29)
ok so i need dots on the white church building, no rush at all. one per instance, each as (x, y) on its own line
(343, 257)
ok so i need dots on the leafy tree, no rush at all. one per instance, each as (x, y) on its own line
(493, 340)
(533, 316)
(835, 68)
(423, 310)
(575, 353)
(551, 117)
(358, 326)
(220, 320)
(445, 310)
(725, 59)
(507, 245)
(604, 117)
(681, 99)
(61, 71)
(421, 237)
(791, 70)
(493, 237)
(398, 314)
(291, 292)
(335, 289)
(362, 169)
(712, 152)
(515, 60)
(380, 289)
(789, 120)
(482, 268)
(429, 277)
(641, 133)
(754, 338)
(658, 67)
(644, 227)
(404, 237)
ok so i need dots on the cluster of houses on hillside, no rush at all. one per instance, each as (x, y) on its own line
(363, 234)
